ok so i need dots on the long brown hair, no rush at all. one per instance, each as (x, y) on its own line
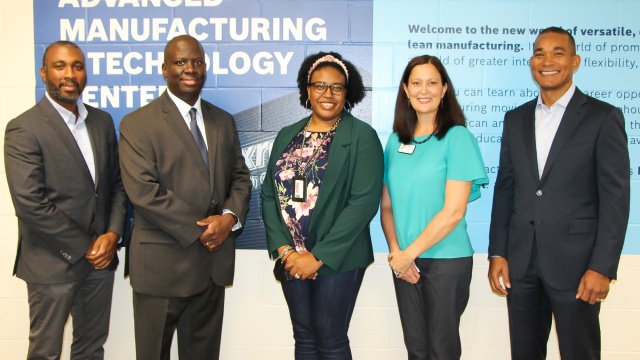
(448, 115)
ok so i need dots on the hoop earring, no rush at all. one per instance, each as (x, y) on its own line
(348, 106)
(306, 104)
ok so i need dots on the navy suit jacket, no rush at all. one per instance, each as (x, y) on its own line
(578, 210)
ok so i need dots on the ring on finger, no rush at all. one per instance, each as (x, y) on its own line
(296, 276)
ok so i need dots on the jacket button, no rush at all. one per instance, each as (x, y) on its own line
(539, 192)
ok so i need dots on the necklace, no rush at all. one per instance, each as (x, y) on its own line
(422, 141)
(299, 190)
(333, 127)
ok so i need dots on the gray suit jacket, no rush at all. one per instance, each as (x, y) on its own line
(171, 188)
(59, 208)
(578, 210)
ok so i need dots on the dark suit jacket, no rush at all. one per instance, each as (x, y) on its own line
(170, 188)
(579, 209)
(59, 208)
(348, 199)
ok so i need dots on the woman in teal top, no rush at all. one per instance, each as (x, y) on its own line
(433, 168)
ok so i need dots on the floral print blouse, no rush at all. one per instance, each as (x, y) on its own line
(306, 155)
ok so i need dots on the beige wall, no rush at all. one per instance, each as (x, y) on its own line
(256, 320)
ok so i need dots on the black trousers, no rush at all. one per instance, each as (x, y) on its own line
(430, 310)
(531, 303)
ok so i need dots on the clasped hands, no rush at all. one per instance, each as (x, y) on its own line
(302, 265)
(217, 231)
(403, 266)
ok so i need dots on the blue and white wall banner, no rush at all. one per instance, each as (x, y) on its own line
(254, 49)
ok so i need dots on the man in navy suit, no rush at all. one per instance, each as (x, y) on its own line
(560, 208)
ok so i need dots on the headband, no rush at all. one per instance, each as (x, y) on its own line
(327, 58)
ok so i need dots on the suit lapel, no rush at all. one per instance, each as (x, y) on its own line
(212, 132)
(572, 117)
(337, 156)
(175, 120)
(96, 145)
(60, 128)
(529, 137)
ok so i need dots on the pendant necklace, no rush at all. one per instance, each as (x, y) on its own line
(300, 181)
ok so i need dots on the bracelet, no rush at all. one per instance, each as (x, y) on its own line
(284, 252)
(293, 251)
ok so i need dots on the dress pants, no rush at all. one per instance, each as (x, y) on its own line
(531, 303)
(430, 310)
(89, 303)
(320, 312)
(197, 318)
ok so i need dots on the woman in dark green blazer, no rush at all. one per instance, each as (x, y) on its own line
(320, 192)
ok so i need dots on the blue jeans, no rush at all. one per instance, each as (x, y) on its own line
(320, 312)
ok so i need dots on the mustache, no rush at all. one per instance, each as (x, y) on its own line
(67, 83)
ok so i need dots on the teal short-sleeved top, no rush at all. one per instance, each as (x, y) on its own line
(416, 185)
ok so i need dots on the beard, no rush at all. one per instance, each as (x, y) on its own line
(56, 94)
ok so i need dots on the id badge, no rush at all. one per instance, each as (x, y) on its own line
(406, 149)
(299, 188)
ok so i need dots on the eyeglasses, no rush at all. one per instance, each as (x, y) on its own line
(321, 88)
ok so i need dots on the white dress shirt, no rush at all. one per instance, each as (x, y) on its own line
(78, 128)
(547, 123)
(184, 109)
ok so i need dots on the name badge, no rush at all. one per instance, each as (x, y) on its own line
(299, 188)
(406, 149)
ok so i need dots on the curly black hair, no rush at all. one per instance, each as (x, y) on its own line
(355, 87)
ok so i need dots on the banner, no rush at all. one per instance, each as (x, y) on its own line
(254, 49)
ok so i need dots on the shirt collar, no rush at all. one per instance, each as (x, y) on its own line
(563, 100)
(183, 107)
(68, 116)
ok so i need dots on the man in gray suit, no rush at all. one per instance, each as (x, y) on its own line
(61, 161)
(184, 172)
(560, 208)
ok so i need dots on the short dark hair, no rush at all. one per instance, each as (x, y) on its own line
(57, 43)
(559, 30)
(448, 115)
(355, 87)
(178, 38)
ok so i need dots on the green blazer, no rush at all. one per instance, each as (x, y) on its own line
(349, 197)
